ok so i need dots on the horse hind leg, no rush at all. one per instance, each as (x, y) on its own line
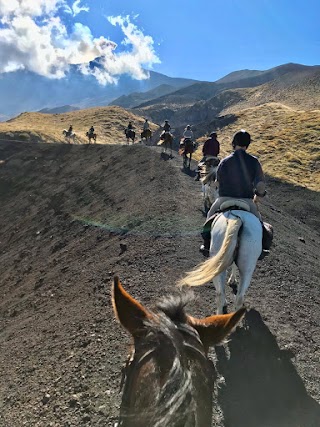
(245, 279)
(232, 281)
(219, 283)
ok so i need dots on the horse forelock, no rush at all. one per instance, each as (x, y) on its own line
(175, 348)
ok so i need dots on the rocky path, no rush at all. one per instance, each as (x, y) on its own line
(71, 218)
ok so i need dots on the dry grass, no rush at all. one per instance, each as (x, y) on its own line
(286, 142)
(109, 124)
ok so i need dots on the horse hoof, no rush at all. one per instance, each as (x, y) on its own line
(225, 309)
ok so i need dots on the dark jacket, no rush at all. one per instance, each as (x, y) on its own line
(238, 174)
(211, 147)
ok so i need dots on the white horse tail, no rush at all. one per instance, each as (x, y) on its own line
(215, 265)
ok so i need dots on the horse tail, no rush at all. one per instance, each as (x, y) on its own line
(215, 265)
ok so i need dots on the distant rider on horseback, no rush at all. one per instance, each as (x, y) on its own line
(146, 125)
(166, 129)
(91, 131)
(188, 134)
(70, 131)
(130, 126)
(239, 176)
(210, 148)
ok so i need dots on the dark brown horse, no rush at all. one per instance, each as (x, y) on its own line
(168, 379)
(130, 134)
(187, 147)
(90, 136)
(146, 134)
(166, 140)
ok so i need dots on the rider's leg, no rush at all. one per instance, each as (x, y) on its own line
(206, 230)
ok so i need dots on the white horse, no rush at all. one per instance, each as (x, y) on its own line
(71, 137)
(208, 172)
(236, 237)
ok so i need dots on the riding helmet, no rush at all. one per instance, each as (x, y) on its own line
(241, 138)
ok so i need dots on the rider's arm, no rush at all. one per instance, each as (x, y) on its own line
(260, 185)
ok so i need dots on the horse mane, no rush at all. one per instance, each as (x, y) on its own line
(176, 403)
(169, 334)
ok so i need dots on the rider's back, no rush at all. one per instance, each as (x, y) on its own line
(211, 147)
(237, 174)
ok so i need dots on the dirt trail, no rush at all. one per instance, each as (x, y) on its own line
(65, 211)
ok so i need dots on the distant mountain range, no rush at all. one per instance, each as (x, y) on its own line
(59, 110)
(292, 85)
(25, 91)
(160, 97)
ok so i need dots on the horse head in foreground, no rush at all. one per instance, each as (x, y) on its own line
(236, 237)
(168, 379)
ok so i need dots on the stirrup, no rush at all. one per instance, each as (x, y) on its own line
(263, 254)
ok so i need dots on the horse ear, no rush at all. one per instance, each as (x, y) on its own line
(214, 329)
(130, 313)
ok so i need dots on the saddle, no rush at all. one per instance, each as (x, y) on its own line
(235, 204)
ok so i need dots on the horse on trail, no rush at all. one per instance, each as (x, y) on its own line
(166, 140)
(69, 137)
(90, 136)
(130, 134)
(236, 237)
(168, 379)
(146, 134)
(187, 147)
(207, 168)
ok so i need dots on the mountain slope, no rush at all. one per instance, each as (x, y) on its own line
(59, 110)
(109, 124)
(37, 92)
(65, 211)
(136, 98)
(291, 84)
(285, 140)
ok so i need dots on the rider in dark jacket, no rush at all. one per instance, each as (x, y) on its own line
(210, 148)
(91, 130)
(239, 176)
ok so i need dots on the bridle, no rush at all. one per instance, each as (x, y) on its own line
(133, 365)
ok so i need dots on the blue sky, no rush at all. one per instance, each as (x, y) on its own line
(203, 39)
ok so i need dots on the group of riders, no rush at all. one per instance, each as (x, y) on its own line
(70, 131)
(239, 176)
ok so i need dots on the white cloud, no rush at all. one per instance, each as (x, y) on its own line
(76, 8)
(34, 37)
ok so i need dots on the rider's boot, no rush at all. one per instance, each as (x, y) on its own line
(197, 178)
(267, 237)
(206, 235)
